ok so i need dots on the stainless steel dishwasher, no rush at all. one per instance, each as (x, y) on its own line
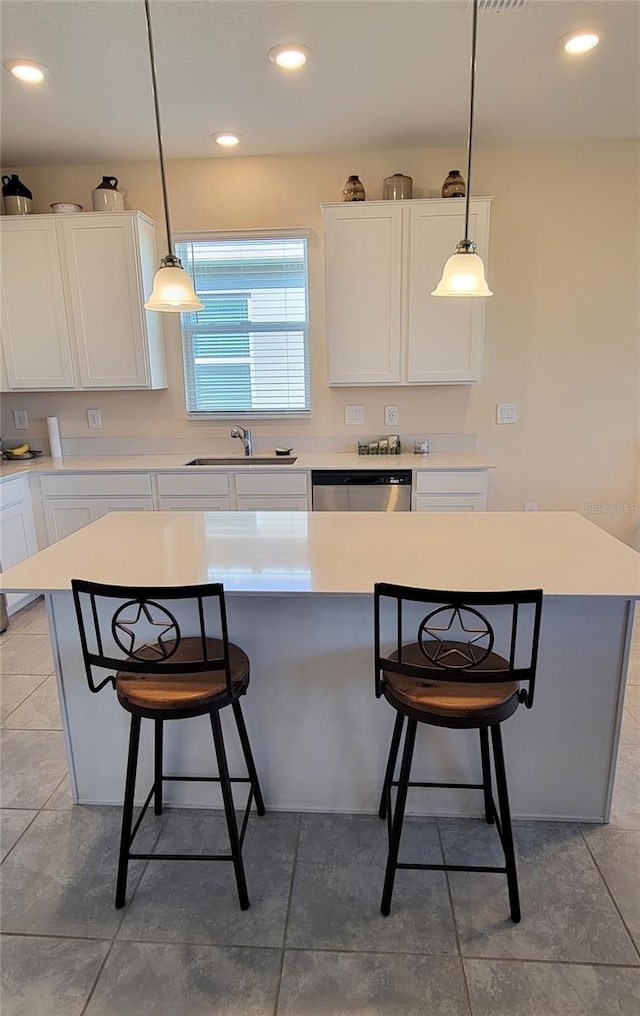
(361, 490)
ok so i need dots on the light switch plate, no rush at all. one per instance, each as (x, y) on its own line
(94, 419)
(354, 414)
(506, 412)
(391, 416)
(20, 421)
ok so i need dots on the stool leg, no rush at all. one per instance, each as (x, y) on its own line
(391, 764)
(505, 823)
(127, 811)
(486, 774)
(248, 757)
(398, 817)
(229, 810)
(157, 780)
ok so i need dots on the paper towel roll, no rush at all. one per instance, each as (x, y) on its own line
(53, 430)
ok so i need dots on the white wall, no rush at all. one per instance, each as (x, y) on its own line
(562, 336)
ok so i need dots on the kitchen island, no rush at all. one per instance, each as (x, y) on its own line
(299, 597)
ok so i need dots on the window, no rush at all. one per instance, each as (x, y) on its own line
(247, 350)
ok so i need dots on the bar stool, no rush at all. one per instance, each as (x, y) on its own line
(451, 677)
(170, 650)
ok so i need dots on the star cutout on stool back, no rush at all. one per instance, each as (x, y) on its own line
(135, 634)
(457, 651)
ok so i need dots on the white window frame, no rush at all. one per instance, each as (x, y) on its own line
(250, 234)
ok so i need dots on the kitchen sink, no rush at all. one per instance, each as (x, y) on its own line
(245, 460)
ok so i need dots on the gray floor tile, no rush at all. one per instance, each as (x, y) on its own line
(271, 837)
(625, 809)
(41, 711)
(617, 854)
(567, 913)
(630, 729)
(60, 799)
(186, 980)
(31, 620)
(15, 688)
(196, 901)
(632, 701)
(26, 654)
(13, 823)
(33, 763)
(339, 908)
(506, 988)
(60, 878)
(48, 976)
(350, 984)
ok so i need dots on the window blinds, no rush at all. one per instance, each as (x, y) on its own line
(246, 351)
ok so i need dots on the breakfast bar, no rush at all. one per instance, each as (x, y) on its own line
(299, 599)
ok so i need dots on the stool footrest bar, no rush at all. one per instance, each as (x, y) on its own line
(449, 867)
(180, 857)
(465, 786)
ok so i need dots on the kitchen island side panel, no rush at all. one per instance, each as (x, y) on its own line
(320, 738)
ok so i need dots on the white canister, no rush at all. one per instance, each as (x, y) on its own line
(106, 197)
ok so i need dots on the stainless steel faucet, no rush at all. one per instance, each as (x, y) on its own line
(244, 433)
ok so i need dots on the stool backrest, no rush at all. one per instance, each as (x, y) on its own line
(138, 629)
(456, 637)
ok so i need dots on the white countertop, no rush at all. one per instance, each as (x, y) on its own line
(328, 552)
(304, 461)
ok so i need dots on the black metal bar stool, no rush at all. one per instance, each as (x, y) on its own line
(451, 677)
(162, 674)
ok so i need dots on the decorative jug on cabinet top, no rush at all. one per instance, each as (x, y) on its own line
(18, 199)
(106, 197)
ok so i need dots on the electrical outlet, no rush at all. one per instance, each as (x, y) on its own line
(391, 416)
(94, 419)
(506, 412)
(20, 421)
(354, 414)
(530, 506)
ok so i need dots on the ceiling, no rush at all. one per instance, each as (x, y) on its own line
(387, 74)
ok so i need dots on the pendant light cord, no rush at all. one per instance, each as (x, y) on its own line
(474, 34)
(154, 82)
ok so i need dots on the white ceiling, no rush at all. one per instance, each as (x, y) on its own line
(387, 74)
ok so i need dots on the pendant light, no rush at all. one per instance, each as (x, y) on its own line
(172, 287)
(463, 273)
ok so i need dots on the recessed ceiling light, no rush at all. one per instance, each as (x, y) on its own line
(581, 41)
(27, 70)
(290, 55)
(228, 139)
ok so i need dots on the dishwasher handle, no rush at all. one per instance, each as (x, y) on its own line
(361, 478)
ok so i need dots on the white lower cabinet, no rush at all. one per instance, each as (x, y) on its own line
(64, 516)
(449, 490)
(273, 504)
(17, 531)
(189, 504)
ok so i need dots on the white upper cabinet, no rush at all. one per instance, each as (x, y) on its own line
(35, 336)
(73, 293)
(382, 260)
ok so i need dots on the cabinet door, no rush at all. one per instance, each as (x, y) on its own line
(66, 516)
(17, 541)
(450, 503)
(444, 335)
(273, 504)
(363, 278)
(190, 504)
(106, 300)
(124, 504)
(35, 333)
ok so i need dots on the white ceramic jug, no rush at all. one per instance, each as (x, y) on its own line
(106, 197)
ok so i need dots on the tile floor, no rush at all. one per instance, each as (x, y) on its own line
(313, 942)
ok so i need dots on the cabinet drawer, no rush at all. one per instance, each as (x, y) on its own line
(97, 484)
(190, 504)
(185, 484)
(441, 481)
(271, 483)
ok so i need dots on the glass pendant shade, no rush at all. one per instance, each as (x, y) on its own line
(463, 275)
(173, 290)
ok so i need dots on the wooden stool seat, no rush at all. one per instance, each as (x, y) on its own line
(445, 703)
(156, 692)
